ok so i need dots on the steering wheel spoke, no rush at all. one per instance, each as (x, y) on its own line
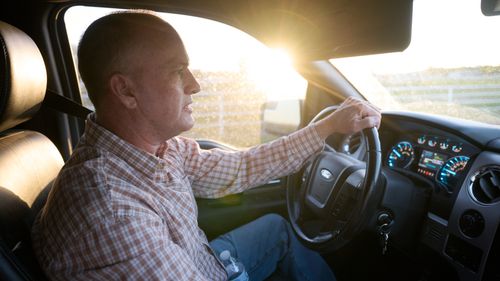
(330, 177)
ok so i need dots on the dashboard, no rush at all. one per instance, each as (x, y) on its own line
(441, 159)
(456, 163)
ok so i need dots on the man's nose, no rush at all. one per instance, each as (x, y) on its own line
(193, 85)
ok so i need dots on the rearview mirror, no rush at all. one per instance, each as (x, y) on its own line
(490, 7)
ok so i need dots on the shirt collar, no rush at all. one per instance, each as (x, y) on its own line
(101, 138)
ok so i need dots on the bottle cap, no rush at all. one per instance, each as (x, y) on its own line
(224, 255)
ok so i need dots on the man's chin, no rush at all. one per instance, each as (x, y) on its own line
(188, 125)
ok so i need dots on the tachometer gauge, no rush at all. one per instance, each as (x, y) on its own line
(450, 172)
(401, 155)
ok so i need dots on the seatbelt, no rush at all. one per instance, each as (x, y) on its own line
(65, 105)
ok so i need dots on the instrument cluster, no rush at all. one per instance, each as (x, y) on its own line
(434, 157)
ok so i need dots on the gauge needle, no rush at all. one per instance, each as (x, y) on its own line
(395, 152)
(451, 172)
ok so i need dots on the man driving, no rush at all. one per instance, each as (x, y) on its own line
(123, 206)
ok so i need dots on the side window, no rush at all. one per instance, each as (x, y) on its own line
(249, 93)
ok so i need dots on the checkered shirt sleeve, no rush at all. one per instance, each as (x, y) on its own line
(216, 173)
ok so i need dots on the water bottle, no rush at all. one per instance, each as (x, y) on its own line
(235, 269)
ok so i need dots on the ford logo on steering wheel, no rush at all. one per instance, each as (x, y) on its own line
(327, 175)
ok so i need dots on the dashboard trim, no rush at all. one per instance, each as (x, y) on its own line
(482, 135)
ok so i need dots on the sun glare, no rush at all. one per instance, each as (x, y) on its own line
(273, 72)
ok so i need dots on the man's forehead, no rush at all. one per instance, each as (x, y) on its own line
(174, 54)
(178, 61)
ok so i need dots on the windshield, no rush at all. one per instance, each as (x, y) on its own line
(451, 67)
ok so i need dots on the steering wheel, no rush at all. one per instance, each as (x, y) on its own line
(331, 198)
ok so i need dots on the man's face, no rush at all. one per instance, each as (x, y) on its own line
(163, 86)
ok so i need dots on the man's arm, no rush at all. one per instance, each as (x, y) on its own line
(216, 173)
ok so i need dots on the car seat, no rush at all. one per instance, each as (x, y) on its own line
(29, 161)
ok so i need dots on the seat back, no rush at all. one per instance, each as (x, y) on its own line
(29, 161)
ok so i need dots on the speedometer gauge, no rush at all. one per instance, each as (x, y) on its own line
(401, 155)
(449, 174)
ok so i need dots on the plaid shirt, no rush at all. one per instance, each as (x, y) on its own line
(119, 213)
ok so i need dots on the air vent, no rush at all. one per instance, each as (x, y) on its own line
(485, 185)
(436, 233)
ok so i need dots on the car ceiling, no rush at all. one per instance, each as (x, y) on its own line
(308, 30)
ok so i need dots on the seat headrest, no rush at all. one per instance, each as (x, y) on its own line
(23, 74)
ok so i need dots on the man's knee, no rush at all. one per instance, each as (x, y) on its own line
(274, 220)
(276, 223)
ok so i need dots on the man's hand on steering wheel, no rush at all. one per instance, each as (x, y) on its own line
(351, 116)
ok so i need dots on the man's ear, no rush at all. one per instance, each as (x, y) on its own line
(122, 89)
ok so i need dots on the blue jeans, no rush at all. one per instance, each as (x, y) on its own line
(269, 244)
